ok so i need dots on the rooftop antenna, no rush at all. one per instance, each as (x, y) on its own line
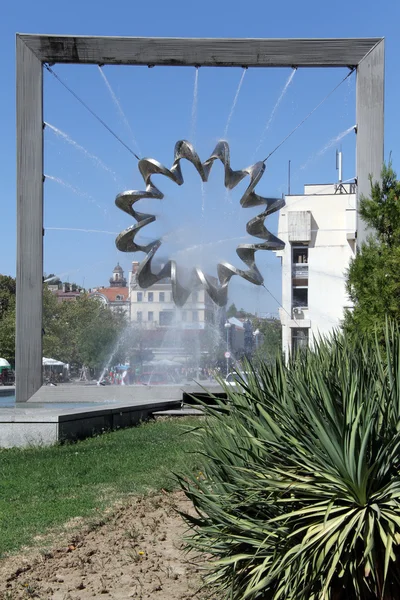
(339, 165)
(339, 187)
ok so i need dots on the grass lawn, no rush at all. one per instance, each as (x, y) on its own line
(42, 488)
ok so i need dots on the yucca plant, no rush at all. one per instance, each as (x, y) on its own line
(300, 498)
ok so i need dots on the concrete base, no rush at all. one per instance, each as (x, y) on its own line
(179, 412)
(119, 393)
(33, 425)
(53, 414)
(7, 390)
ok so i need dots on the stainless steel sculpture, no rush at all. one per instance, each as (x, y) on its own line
(246, 252)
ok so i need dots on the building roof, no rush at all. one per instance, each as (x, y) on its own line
(111, 293)
(236, 323)
(118, 269)
(63, 296)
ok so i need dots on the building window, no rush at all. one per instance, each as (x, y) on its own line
(139, 316)
(162, 297)
(150, 316)
(299, 277)
(139, 296)
(300, 297)
(300, 254)
(300, 266)
(119, 297)
(184, 317)
(150, 297)
(299, 339)
(195, 297)
(195, 316)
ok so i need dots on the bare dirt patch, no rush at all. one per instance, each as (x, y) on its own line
(136, 551)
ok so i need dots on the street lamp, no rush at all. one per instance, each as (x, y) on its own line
(256, 333)
(227, 355)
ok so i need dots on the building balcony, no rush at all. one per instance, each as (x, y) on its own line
(300, 275)
(300, 271)
(299, 226)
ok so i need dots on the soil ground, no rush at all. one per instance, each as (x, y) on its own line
(135, 551)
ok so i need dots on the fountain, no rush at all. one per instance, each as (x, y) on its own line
(274, 110)
(35, 52)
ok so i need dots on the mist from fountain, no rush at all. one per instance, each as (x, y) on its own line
(118, 107)
(234, 103)
(77, 191)
(326, 147)
(190, 354)
(274, 110)
(95, 159)
(175, 339)
(193, 122)
(131, 330)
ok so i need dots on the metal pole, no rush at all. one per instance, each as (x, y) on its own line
(227, 349)
(289, 179)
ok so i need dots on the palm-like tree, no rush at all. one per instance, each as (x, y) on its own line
(300, 498)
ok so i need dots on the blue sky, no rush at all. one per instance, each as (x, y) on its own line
(158, 105)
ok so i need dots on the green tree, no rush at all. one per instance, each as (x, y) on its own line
(232, 311)
(84, 332)
(270, 344)
(7, 336)
(373, 281)
(7, 318)
(243, 314)
(7, 294)
(53, 326)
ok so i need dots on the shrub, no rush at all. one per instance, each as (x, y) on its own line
(300, 494)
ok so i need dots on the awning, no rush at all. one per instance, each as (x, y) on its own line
(52, 362)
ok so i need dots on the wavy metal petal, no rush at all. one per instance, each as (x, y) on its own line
(125, 241)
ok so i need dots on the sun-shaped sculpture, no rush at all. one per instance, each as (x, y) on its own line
(125, 241)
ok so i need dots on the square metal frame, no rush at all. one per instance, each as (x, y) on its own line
(32, 51)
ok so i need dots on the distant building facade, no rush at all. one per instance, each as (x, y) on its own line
(116, 296)
(319, 231)
(187, 335)
(154, 307)
(65, 292)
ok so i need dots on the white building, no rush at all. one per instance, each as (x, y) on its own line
(116, 296)
(319, 231)
(154, 307)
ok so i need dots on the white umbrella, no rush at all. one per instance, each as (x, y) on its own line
(4, 363)
(52, 362)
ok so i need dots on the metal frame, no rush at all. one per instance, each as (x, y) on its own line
(366, 55)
